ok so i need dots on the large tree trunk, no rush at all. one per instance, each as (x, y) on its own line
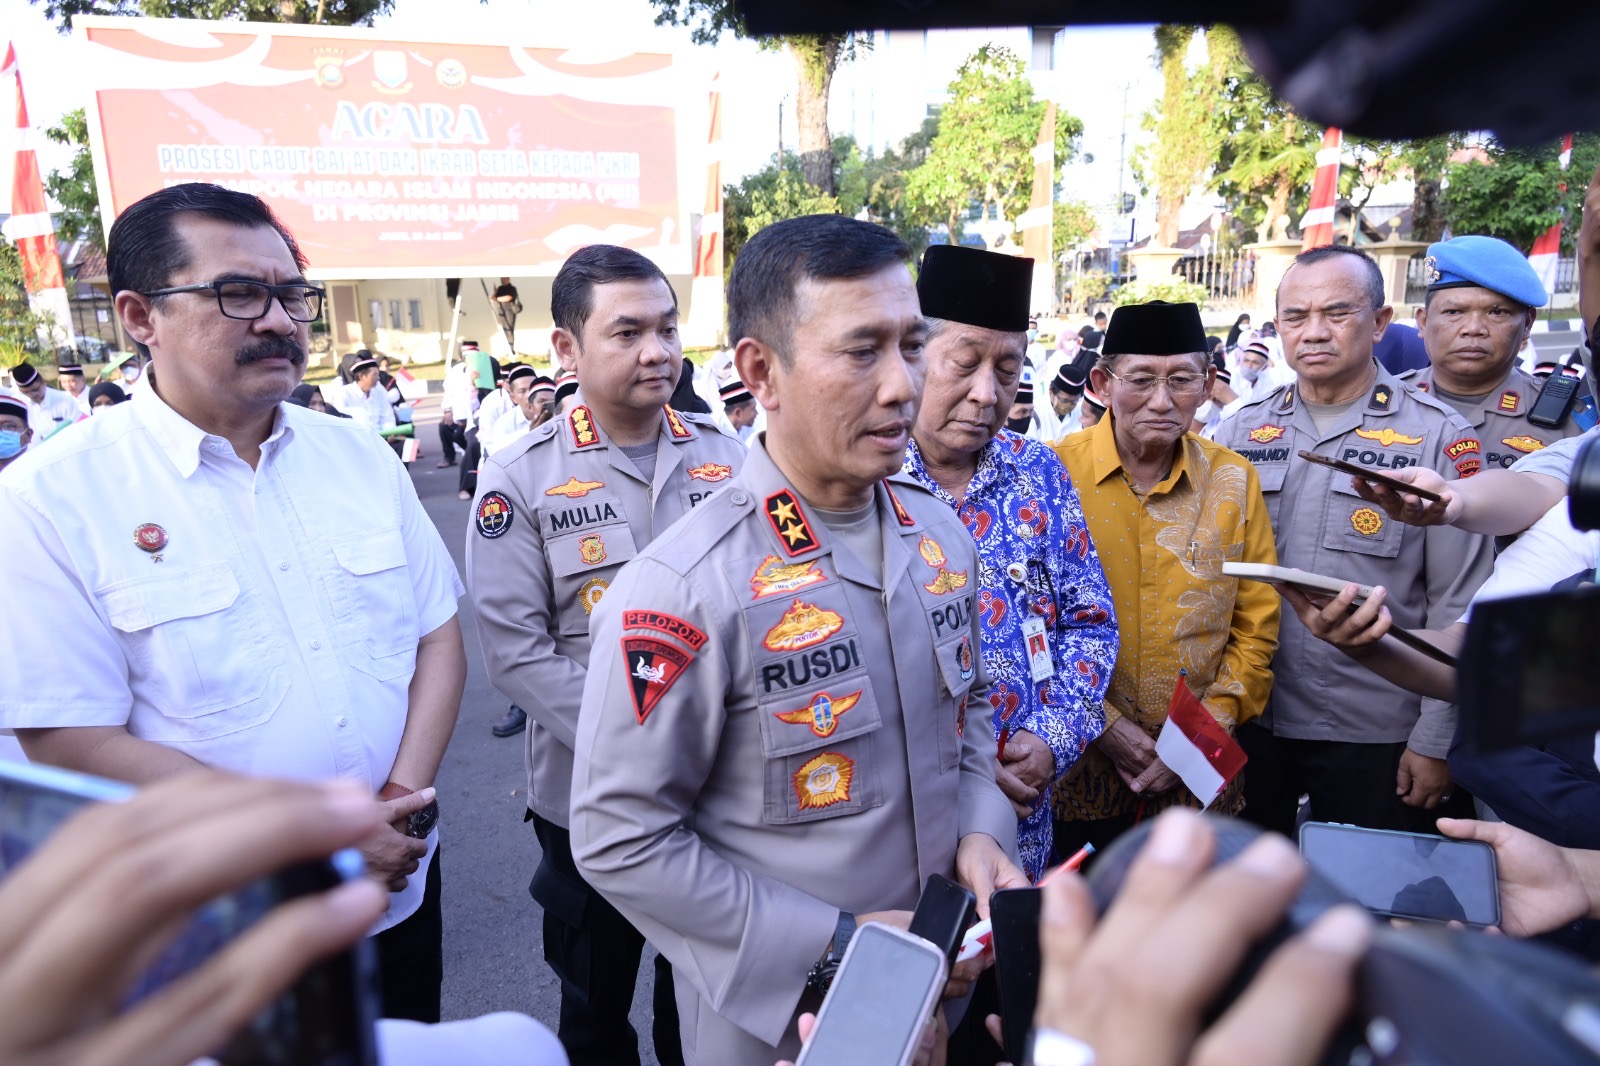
(1427, 221)
(815, 59)
(1278, 207)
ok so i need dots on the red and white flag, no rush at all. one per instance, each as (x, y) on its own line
(1196, 748)
(1317, 223)
(707, 310)
(1547, 248)
(29, 225)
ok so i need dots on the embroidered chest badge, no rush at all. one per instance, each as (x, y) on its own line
(1266, 434)
(592, 549)
(945, 581)
(151, 538)
(1523, 443)
(964, 657)
(1366, 521)
(575, 489)
(824, 781)
(1387, 436)
(775, 577)
(822, 713)
(710, 472)
(801, 626)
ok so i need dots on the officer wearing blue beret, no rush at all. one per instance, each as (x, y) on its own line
(1482, 296)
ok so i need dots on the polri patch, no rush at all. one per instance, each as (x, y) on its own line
(494, 514)
(653, 667)
(592, 550)
(669, 624)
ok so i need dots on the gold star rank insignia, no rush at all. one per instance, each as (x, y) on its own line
(582, 424)
(789, 523)
(1382, 397)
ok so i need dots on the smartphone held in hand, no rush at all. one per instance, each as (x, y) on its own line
(882, 997)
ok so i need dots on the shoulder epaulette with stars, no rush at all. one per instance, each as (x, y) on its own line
(789, 523)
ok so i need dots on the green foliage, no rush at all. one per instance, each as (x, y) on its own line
(1173, 290)
(1084, 290)
(19, 323)
(319, 12)
(776, 192)
(1074, 224)
(73, 188)
(1187, 134)
(1516, 196)
(983, 150)
(1266, 155)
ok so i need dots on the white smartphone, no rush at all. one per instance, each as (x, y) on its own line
(884, 993)
(1288, 575)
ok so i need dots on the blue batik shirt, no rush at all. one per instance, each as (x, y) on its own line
(1035, 556)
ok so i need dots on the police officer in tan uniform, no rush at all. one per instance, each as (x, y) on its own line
(1367, 752)
(774, 742)
(1482, 295)
(559, 510)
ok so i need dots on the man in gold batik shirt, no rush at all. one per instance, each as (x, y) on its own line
(1166, 509)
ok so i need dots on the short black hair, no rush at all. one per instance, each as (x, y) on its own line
(1098, 315)
(144, 249)
(1333, 251)
(774, 262)
(596, 264)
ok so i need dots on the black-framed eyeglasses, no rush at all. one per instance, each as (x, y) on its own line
(250, 300)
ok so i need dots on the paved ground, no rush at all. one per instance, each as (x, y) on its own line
(492, 954)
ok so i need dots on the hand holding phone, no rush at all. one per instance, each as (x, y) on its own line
(881, 998)
(1407, 875)
(88, 883)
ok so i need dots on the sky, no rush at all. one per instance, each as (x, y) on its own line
(1110, 74)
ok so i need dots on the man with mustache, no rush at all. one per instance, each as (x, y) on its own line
(775, 743)
(1365, 751)
(559, 510)
(234, 581)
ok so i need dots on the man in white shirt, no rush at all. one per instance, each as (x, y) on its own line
(455, 411)
(234, 581)
(363, 399)
(15, 433)
(48, 409)
(70, 375)
(739, 410)
(508, 422)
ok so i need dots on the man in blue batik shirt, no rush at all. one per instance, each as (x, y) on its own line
(1049, 631)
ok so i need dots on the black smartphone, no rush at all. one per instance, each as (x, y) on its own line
(1527, 670)
(1014, 913)
(1407, 875)
(1554, 402)
(944, 910)
(326, 1019)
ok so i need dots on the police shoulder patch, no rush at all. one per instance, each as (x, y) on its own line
(669, 624)
(493, 515)
(653, 667)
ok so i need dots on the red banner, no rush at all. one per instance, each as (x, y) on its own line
(397, 158)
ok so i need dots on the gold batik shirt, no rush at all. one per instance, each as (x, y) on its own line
(1163, 554)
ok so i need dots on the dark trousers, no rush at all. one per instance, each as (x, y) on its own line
(451, 437)
(1351, 783)
(595, 952)
(411, 958)
(467, 480)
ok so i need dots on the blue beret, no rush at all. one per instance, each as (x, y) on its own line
(1488, 263)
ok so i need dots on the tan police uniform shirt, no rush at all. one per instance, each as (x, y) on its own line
(1501, 417)
(1321, 525)
(772, 734)
(559, 510)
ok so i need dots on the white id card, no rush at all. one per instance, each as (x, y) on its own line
(1040, 662)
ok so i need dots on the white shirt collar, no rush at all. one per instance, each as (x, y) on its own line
(181, 439)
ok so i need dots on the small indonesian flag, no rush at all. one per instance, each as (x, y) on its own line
(1196, 748)
(1546, 251)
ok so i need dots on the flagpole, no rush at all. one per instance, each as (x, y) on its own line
(31, 227)
(1317, 223)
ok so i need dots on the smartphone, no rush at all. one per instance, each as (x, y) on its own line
(1366, 473)
(1284, 575)
(1554, 402)
(1407, 875)
(326, 1019)
(1527, 669)
(886, 989)
(1015, 915)
(944, 910)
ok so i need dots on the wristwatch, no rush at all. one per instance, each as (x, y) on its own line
(1049, 1047)
(820, 979)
